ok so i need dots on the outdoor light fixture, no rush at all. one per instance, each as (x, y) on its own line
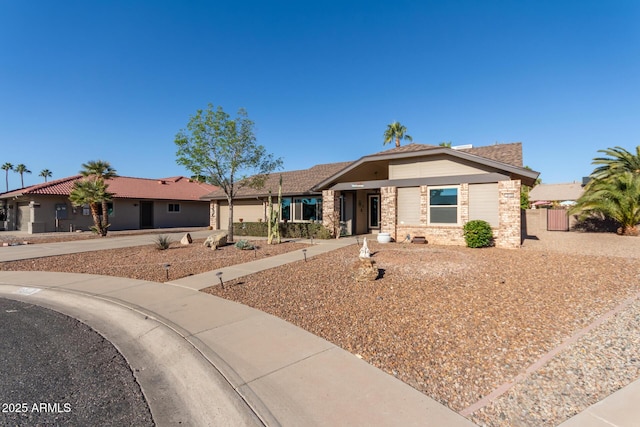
(219, 274)
(357, 241)
(166, 268)
(304, 252)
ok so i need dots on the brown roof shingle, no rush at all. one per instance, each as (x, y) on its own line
(293, 182)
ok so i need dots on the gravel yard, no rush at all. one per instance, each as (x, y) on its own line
(147, 262)
(454, 323)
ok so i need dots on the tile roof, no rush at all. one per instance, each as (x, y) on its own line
(173, 188)
(293, 182)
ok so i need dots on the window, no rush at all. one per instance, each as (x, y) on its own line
(174, 207)
(409, 206)
(109, 209)
(285, 209)
(309, 209)
(301, 209)
(443, 205)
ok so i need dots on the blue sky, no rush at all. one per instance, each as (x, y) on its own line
(116, 80)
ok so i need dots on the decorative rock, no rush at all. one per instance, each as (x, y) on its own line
(186, 239)
(364, 251)
(365, 270)
(216, 240)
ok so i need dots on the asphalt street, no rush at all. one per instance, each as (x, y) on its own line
(55, 370)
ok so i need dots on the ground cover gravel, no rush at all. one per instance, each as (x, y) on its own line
(454, 323)
(457, 323)
(147, 262)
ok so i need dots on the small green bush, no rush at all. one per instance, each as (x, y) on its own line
(478, 234)
(244, 245)
(162, 242)
(287, 230)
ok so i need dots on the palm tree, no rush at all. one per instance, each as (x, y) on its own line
(446, 144)
(395, 132)
(92, 192)
(7, 167)
(45, 173)
(22, 169)
(101, 171)
(620, 160)
(617, 197)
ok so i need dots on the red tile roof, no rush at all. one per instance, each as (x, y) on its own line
(124, 187)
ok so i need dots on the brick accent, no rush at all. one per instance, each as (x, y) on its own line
(330, 208)
(388, 210)
(424, 204)
(463, 203)
(508, 234)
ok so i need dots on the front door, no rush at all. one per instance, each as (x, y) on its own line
(374, 211)
(146, 214)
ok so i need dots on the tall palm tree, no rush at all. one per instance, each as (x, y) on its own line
(22, 169)
(395, 132)
(45, 173)
(619, 160)
(617, 197)
(6, 168)
(92, 192)
(100, 170)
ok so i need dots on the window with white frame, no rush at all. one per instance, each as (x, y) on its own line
(443, 205)
(301, 209)
(174, 207)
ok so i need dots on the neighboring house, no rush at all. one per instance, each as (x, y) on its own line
(413, 190)
(550, 194)
(137, 203)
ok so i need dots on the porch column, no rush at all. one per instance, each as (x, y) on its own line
(388, 210)
(214, 214)
(331, 210)
(509, 234)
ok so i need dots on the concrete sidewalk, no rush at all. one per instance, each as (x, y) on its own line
(285, 375)
(204, 280)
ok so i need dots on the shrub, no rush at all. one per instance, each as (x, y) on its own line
(244, 245)
(287, 230)
(478, 234)
(162, 242)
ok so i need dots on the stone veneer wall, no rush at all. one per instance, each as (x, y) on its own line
(330, 207)
(388, 208)
(507, 234)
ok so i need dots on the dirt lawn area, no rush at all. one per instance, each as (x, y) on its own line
(455, 323)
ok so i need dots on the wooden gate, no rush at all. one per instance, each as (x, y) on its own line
(557, 220)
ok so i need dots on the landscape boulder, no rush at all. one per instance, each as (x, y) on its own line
(216, 240)
(186, 239)
(365, 270)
